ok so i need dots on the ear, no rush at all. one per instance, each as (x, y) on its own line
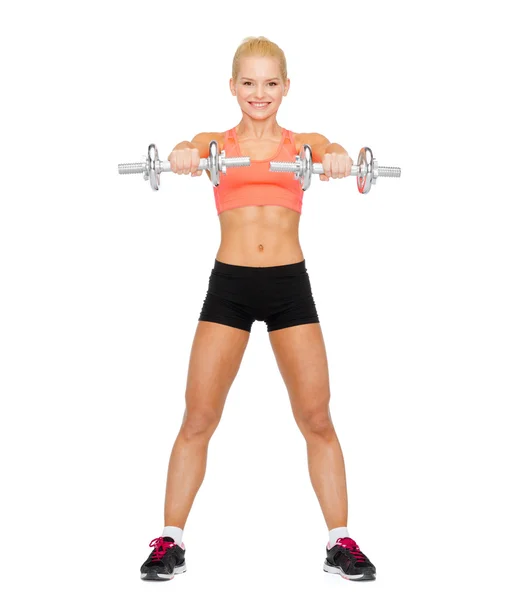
(287, 86)
(232, 87)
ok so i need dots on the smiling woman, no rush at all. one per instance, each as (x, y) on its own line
(259, 82)
(259, 275)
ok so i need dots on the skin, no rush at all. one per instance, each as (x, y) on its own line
(259, 236)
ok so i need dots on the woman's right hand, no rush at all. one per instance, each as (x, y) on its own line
(184, 159)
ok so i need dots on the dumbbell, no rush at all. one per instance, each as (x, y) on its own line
(367, 169)
(152, 167)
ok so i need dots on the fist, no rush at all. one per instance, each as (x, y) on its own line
(336, 165)
(184, 161)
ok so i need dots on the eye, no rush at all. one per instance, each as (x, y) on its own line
(271, 82)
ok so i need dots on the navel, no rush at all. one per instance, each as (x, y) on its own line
(260, 247)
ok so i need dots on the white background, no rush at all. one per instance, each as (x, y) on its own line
(416, 285)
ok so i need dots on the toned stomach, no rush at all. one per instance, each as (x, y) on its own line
(259, 236)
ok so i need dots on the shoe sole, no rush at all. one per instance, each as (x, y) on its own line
(337, 571)
(154, 576)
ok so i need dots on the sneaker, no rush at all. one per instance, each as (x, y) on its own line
(165, 561)
(346, 559)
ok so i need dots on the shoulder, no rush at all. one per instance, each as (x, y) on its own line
(312, 139)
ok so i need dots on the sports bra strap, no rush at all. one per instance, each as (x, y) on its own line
(228, 138)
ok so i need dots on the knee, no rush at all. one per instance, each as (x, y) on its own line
(199, 424)
(316, 423)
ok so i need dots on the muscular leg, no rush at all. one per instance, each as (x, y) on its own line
(216, 355)
(302, 360)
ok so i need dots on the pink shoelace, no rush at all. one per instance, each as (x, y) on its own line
(349, 543)
(160, 546)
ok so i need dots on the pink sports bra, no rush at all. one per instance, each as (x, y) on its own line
(256, 185)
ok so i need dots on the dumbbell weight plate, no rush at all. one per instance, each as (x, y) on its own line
(153, 163)
(213, 163)
(366, 165)
(305, 164)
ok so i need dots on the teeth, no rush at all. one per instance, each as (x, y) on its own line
(260, 104)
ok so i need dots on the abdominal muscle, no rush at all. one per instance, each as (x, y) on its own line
(259, 236)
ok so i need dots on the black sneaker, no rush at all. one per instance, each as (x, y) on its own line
(346, 559)
(165, 561)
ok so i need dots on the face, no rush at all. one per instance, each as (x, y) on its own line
(259, 81)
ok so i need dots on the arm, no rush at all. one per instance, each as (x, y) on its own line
(201, 141)
(320, 146)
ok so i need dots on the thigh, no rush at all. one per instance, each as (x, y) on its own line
(302, 360)
(215, 358)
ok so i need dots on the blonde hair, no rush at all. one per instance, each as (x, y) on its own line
(259, 46)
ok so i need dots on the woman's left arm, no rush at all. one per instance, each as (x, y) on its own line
(334, 158)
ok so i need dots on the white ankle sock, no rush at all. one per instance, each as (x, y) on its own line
(173, 532)
(336, 533)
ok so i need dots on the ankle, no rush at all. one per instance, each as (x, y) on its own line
(174, 532)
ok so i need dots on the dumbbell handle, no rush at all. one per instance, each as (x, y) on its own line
(140, 167)
(317, 169)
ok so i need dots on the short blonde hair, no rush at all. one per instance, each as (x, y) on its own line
(259, 46)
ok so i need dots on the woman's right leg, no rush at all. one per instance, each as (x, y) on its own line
(216, 355)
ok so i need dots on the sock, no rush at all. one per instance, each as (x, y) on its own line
(173, 532)
(336, 533)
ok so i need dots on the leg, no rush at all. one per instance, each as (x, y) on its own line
(302, 360)
(216, 355)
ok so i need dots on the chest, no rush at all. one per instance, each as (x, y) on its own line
(263, 150)
(259, 150)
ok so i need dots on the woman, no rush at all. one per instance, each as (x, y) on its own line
(259, 214)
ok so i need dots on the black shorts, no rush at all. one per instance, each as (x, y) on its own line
(238, 295)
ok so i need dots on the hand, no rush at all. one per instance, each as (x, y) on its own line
(185, 160)
(336, 165)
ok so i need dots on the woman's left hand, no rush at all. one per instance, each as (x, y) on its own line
(336, 165)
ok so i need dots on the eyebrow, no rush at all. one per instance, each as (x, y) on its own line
(272, 79)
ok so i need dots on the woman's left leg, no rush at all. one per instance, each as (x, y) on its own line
(302, 360)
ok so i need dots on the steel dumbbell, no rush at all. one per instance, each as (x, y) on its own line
(367, 170)
(152, 167)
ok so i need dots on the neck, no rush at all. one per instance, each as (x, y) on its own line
(249, 128)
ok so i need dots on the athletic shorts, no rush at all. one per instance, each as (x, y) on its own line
(239, 295)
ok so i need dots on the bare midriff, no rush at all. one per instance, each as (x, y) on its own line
(259, 236)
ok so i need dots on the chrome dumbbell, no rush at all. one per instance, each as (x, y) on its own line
(152, 167)
(367, 170)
